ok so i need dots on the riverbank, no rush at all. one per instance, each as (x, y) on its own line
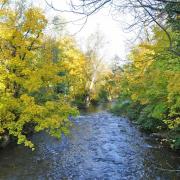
(155, 128)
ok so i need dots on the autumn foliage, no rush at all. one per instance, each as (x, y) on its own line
(150, 87)
(29, 76)
(42, 77)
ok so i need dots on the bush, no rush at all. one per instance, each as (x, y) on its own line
(148, 122)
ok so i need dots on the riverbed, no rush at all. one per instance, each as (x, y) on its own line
(101, 146)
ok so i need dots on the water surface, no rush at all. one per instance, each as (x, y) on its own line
(101, 146)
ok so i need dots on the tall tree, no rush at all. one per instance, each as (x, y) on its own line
(94, 63)
(26, 71)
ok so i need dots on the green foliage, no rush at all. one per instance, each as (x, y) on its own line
(79, 101)
(148, 121)
(127, 108)
(103, 95)
(150, 86)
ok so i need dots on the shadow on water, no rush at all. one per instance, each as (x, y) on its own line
(101, 146)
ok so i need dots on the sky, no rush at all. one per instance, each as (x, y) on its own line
(117, 40)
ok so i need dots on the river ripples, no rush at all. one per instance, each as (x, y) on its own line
(101, 146)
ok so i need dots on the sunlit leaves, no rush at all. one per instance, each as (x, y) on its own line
(29, 74)
(152, 82)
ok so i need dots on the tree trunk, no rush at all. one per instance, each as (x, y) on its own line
(88, 98)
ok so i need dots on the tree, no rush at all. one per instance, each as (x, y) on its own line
(72, 62)
(149, 87)
(26, 69)
(95, 67)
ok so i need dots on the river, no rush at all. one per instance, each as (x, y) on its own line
(101, 146)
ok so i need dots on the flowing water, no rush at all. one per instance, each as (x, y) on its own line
(101, 146)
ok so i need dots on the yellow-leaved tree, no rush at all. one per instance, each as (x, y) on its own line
(28, 77)
(72, 62)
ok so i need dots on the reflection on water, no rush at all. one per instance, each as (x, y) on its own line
(101, 146)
